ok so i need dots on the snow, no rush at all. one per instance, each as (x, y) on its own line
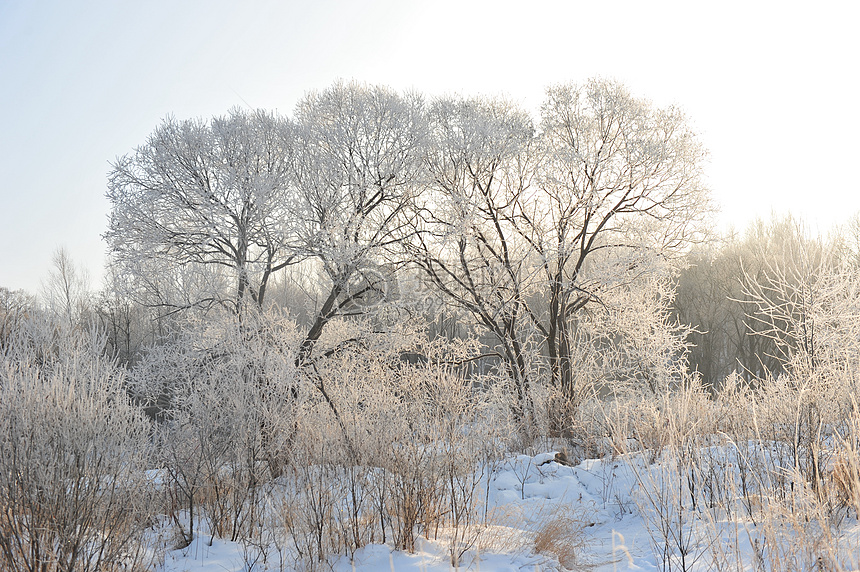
(199, 556)
(525, 488)
(525, 492)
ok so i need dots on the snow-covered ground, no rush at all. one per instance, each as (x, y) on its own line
(541, 515)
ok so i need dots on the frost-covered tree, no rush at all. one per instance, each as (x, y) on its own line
(481, 160)
(15, 307)
(200, 211)
(66, 291)
(620, 174)
(525, 230)
(225, 397)
(355, 171)
(796, 297)
(805, 304)
(503, 220)
(731, 335)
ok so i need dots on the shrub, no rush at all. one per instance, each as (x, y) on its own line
(72, 448)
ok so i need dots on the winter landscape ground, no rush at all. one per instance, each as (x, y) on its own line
(547, 516)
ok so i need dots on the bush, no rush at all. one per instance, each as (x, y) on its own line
(72, 448)
(224, 393)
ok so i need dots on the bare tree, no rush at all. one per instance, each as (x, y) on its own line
(481, 161)
(524, 231)
(620, 175)
(355, 169)
(66, 291)
(704, 299)
(201, 197)
(128, 325)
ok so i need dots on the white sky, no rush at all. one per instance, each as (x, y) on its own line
(771, 87)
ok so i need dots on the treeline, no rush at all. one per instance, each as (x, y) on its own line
(742, 292)
(717, 294)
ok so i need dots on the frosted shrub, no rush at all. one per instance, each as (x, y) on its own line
(807, 304)
(781, 481)
(225, 393)
(355, 414)
(399, 435)
(72, 452)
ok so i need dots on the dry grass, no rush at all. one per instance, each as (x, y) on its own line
(561, 535)
(557, 532)
(845, 479)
